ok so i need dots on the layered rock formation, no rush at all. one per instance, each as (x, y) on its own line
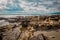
(23, 28)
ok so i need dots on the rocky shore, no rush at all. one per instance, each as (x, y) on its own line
(25, 27)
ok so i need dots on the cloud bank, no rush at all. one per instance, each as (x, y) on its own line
(29, 6)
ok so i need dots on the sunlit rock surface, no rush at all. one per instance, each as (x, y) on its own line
(3, 23)
(35, 28)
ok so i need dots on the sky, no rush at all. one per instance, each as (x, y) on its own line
(30, 7)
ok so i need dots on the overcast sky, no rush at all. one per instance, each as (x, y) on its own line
(29, 6)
